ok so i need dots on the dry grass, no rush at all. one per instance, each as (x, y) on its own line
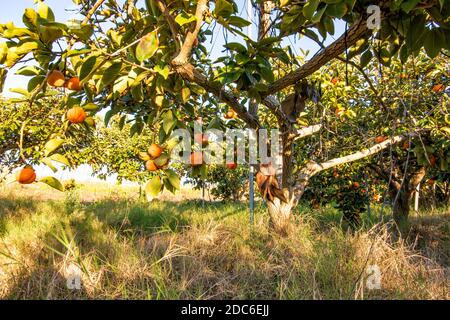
(128, 249)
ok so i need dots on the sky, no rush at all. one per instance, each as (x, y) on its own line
(63, 10)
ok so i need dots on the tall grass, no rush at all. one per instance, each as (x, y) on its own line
(126, 249)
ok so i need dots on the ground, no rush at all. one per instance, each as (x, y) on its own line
(184, 248)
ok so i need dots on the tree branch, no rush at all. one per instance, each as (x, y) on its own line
(308, 131)
(312, 168)
(188, 72)
(185, 52)
(357, 31)
(170, 21)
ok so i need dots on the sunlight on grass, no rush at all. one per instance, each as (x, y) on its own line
(130, 249)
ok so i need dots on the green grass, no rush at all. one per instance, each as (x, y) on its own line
(129, 249)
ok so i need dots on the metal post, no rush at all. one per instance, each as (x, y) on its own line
(416, 198)
(251, 192)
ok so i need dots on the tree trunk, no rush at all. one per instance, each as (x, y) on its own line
(280, 214)
(280, 211)
(400, 206)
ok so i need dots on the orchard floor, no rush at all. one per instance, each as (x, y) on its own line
(182, 248)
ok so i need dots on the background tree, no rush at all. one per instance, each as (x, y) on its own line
(151, 63)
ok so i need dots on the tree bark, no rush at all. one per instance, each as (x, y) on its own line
(280, 215)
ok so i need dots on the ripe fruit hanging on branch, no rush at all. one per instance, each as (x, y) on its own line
(26, 175)
(76, 115)
(151, 166)
(196, 158)
(154, 150)
(334, 80)
(231, 165)
(74, 84)
(56, 79)
(231, 114)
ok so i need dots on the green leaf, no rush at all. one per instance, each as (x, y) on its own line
(164, 71)
(169, 122)
(20, 91)
(110, 74)
(434, 41)
(235, 46)
(87, 67)
(185, 94)
(84, 32)
(45, 12)
(153, 187)
(238, 22)
(29, 71)
(52, 145)
(408, 5)
(309, 8)
(60, 158)
(35, 82)
(365, 58)
(184, 18)
(52, 182)
(173, 178)
(3, 73)
(147, 46)
(48, 163)
(337, 10)
(223, 8)
(91, 107)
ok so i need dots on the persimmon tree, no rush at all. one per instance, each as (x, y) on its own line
(152, 64)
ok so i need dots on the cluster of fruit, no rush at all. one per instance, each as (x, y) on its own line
(76, 114)
(154, 158)
(57, 79)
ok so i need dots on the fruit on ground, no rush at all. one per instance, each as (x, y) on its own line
(56, 79)
(356, 184)
(438, 88)
(335, 174)
(231, 165)
(76, 115)
(196, 158)
(151, 166)
(74, 84)
(430, 182)
(201, 139)
(380, 139)
(154, 150)
(26, 175)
